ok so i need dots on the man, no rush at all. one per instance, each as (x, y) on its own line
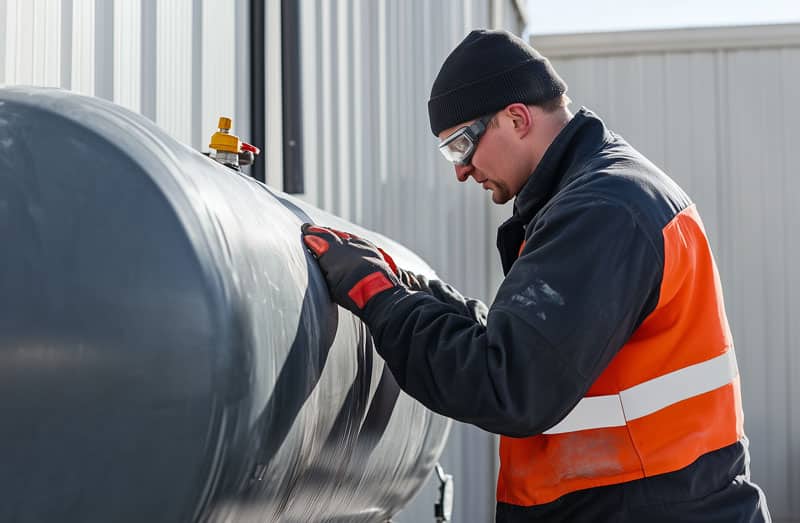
(605, 362)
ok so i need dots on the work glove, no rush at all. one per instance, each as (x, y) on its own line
(354, 269)
(414, 282)
(444, 292)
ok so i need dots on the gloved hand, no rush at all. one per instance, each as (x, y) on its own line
(355, 269)
(442, 291)
(414, 282)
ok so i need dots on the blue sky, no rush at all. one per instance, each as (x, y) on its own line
(577, 16)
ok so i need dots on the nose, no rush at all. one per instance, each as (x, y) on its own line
(463, 172)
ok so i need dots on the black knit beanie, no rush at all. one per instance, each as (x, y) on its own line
(486, 72)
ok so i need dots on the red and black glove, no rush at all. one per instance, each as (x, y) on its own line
(355, 269)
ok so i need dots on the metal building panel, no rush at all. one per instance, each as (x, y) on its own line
(789, 310)
(173, 102)
(750, 239)
(382, 86)
(776, 346)
(428, 159)
(743, 249)
(578, 73)
(127, 53)
(218, 68)
(273, 148)
(66, 43)
(104, 49)
(402, 176)
(627, 96)
(764, 36)
(704, 144)
(328, 112)
(4, 31)
(198, 36)
(757, 220)
(358, 22)
(83, 37)
(691, 134)
(310, 64)
(653, 86)
(679, 144)
(149, 59)
(388, 219)
(344, 95)
(240, 41)
(33, 40)
(145, 55)
(372, 134)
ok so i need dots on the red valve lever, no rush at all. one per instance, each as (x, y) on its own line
(252, 148)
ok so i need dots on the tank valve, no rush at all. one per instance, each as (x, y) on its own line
(227, 149)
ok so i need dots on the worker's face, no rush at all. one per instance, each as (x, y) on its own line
(493, 163)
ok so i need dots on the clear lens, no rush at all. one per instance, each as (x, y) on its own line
(458, 148)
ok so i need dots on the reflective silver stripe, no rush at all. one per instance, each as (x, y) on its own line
(650, 396)
(597, 412)
(592, 413)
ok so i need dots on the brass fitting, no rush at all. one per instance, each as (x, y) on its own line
(222, 140)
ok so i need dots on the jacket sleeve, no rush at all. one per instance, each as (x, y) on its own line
(446, 293)
(587, 277)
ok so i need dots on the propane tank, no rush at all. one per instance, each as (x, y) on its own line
(170, 352)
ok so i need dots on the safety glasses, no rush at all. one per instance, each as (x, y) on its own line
(459, 147)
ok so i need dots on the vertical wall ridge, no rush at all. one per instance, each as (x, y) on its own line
(149, 43)
(104, 49)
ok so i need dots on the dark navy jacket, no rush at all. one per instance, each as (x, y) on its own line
(591, 215)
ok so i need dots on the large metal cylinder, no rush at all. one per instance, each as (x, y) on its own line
(168, 349)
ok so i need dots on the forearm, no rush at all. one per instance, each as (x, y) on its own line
(483, 375)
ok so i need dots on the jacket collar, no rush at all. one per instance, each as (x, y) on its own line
(584, 135)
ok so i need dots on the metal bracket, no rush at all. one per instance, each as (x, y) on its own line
(443, 510)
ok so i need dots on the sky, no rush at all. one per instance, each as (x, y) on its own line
(580, 16)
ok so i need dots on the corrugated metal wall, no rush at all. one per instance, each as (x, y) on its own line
(176, 62)
(719, 110)
(370, 157)
(367, 68)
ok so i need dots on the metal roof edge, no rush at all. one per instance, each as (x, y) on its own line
(667, 40)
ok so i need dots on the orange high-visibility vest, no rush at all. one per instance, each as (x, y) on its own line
(670, 395)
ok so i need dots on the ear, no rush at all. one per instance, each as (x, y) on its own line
(520, 117)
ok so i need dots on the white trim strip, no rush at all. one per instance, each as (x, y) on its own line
(598, 412)
(653, 395)
(592, 413)
(708, 39)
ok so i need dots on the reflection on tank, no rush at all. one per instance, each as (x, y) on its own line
(168, 351)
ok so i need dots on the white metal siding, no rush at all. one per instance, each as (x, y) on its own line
(32, 32)
(177, 62)
(370, 157)
(127, 61)
(723, 120)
